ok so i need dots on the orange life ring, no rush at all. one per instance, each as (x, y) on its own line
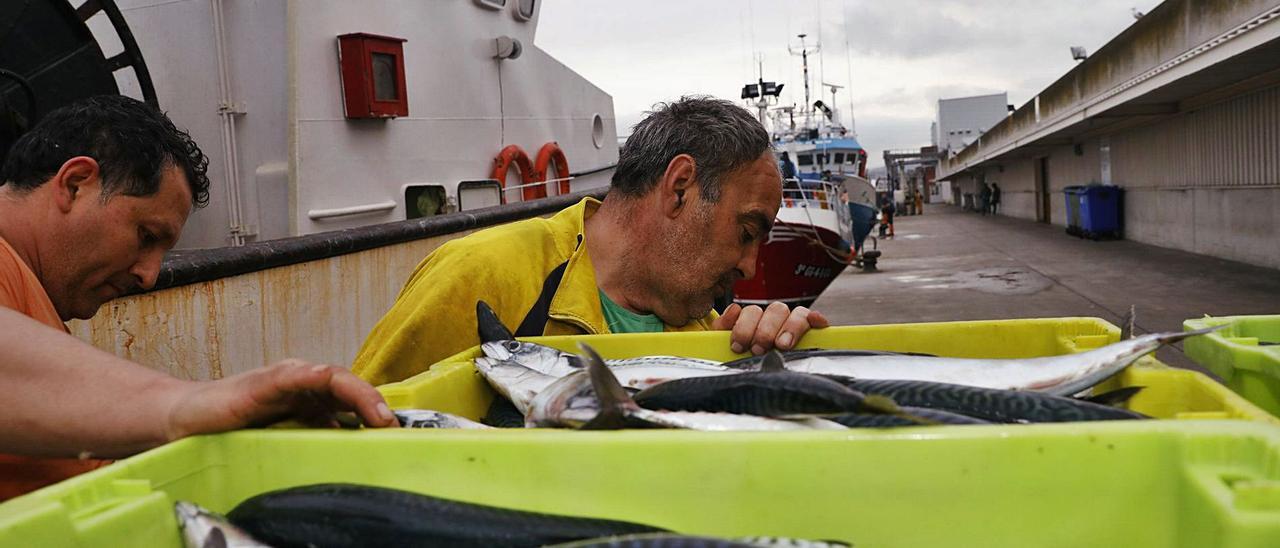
(502, 162)
(548, 154)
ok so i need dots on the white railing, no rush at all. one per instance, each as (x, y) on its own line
(515, 193)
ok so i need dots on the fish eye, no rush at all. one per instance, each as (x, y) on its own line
(513, 346)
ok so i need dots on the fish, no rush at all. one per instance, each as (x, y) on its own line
(569, 402)
(518, 383)
(426, 418)
(552, 361)
(348, 516)
(1063, 375)
(754, 362)
(202, 528)
(659, 540)
(497, 342)
(771, 392)
(670, 540)
(618, 410)
(989, 404)
(880, 420)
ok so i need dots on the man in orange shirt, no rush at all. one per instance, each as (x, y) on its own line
(90, 201)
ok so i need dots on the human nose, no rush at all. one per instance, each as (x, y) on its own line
(147, 269)
(747, 264)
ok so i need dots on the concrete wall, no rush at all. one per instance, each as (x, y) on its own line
(1205, 181)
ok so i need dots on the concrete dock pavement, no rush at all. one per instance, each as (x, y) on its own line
(950, 264)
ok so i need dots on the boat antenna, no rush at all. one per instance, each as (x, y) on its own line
(804, 52)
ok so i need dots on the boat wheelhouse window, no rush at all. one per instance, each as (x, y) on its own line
(804, 159)
(839, 158)
(424, 201)
(524, 9)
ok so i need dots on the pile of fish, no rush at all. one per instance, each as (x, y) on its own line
(798, 390)
(357, 516)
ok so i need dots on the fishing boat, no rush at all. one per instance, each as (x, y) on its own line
(325, 115)
(815, 236)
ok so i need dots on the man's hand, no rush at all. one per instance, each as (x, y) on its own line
(289, 389)
(763, 329)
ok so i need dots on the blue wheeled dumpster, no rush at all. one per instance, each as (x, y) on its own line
(1073, 195)
(1100, 213)
(1094, 211)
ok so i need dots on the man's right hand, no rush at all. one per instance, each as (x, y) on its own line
(290, 389)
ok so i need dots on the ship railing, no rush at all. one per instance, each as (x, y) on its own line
(515, 193)
(819, 194)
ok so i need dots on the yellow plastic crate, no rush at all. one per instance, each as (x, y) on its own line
(453, 385)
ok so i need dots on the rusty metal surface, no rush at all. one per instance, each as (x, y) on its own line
(317, 310)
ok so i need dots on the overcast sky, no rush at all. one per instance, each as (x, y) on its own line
(904, 54)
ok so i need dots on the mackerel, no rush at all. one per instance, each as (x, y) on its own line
(426, 418)
(203, 528)
(771, 392)
(880, 420)
(551, 361)
(1057, 375)
(350, 516)
(1006, 406)
(618, 410)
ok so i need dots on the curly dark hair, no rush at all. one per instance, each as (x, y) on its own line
(132, 141)
(719, 135)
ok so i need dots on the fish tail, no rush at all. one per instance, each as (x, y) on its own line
(488, 326)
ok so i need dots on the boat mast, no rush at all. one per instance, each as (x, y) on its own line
(804, 52)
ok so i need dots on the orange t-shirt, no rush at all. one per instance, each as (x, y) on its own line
(20, 290)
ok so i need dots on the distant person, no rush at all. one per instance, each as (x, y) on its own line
(887, 209)
(788, 168)
(919, 203)
(984, 199)
(91, 198)
(995, 198)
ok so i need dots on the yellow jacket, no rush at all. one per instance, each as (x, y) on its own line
(435, 315)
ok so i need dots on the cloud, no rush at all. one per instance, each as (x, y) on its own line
(902, 56)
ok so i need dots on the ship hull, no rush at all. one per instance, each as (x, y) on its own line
(792, 267)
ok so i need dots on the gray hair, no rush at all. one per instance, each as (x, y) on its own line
(719, 135)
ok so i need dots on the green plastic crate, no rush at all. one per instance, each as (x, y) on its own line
(1246, 354)
(453, 385)
(1184, 483)
(1157, 484)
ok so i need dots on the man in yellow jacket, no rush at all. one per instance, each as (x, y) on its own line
(693, 197)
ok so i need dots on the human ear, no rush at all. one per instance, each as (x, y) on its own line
(73, 179)
(676, 185)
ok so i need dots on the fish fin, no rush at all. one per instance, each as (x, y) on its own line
(614, 399)
(886, 405)
(489, 327)
(773, 362)
(1128, 323)
(1113, 397)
